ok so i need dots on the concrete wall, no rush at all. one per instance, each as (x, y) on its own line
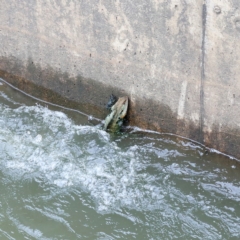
(177, 60)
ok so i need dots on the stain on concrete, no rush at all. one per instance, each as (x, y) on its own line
(91, 97)
(237, 23)
(225, 139)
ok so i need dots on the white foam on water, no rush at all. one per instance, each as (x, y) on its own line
(190, 142)
(38, 143)
(50, 144)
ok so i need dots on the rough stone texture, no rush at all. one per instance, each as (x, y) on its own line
(176, 60)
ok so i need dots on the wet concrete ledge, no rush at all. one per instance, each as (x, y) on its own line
(177, 61)
(87, 95)
(91, 98)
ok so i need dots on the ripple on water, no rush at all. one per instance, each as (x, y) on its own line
(148, 180)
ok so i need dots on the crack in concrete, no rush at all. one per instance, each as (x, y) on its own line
(201, 120)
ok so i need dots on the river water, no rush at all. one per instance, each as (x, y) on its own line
(63, 178)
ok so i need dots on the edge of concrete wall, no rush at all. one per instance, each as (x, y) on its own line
(177, 61)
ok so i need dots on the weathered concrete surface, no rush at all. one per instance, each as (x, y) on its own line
(176, 60)
(222, 74)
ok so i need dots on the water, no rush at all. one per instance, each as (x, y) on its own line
(63, 178)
